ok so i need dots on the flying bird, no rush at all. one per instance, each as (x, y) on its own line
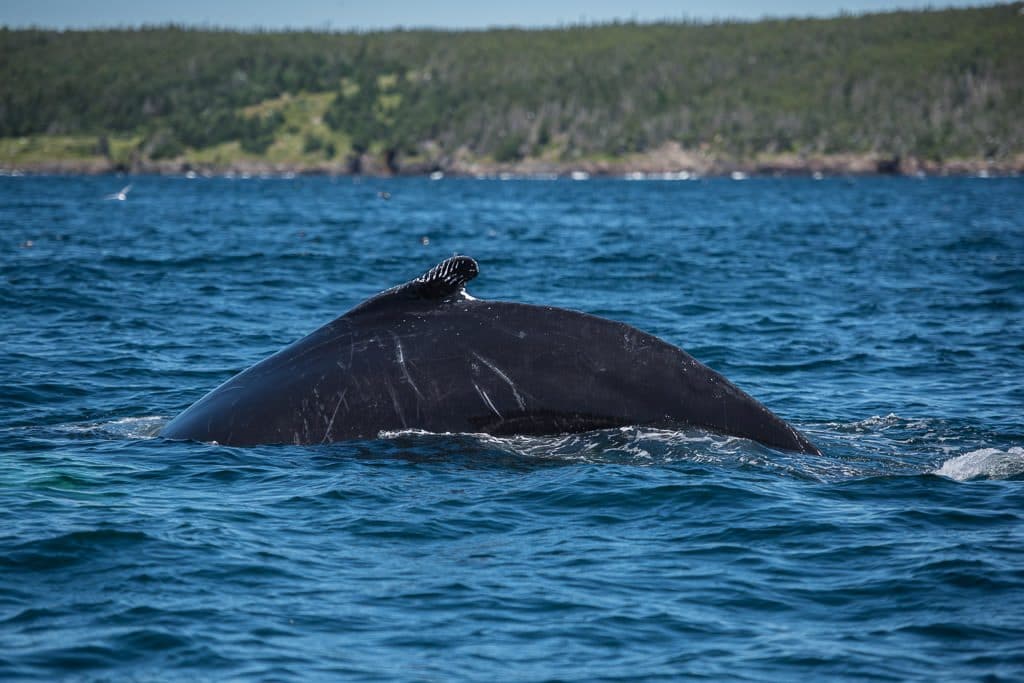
(122, 195)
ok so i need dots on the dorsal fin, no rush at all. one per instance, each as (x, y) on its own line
(447, 278)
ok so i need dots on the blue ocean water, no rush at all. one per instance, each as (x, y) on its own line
(881, 316)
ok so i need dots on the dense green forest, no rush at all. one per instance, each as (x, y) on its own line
(932, 84)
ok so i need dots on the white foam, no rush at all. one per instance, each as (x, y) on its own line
(880, 423)
(398, 433)
(988, 463)
(637, 445)
(146, 427)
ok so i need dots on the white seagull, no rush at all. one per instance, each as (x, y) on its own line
(122, 195)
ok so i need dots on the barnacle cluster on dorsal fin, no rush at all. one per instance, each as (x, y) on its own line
(447, 278)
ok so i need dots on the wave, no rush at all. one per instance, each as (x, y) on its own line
(879, 445)
(984, 463)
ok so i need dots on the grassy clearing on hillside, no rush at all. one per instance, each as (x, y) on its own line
(31, 149)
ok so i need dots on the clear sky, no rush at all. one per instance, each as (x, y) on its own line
(373, 14)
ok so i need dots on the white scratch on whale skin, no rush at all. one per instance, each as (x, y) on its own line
(508, 380)
(394, 401)
(330, 425)
(487, 400)
(400, 357)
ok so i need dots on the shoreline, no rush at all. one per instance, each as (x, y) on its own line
(669, 162)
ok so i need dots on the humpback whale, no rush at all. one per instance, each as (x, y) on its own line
(426, 355)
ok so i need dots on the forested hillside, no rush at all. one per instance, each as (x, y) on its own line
(934, 85)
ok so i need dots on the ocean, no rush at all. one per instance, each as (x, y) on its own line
(884, 317)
